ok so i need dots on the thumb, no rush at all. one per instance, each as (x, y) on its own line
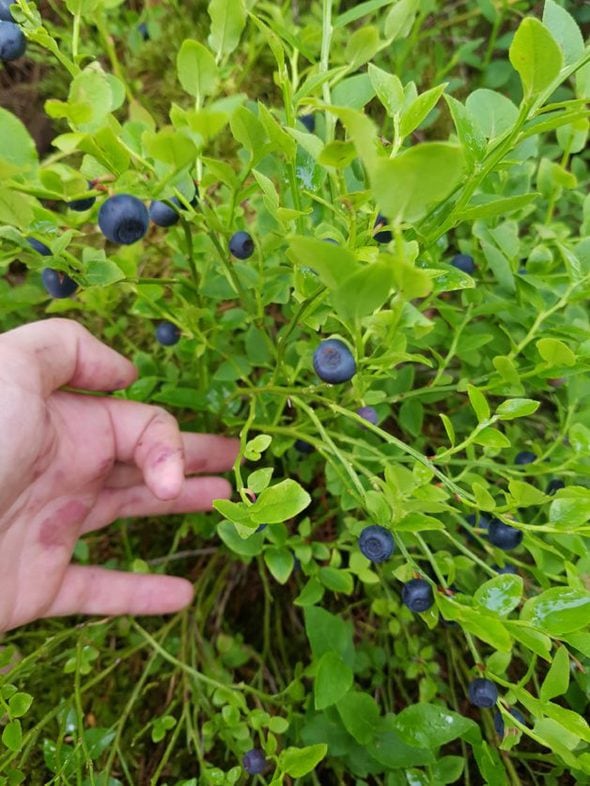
(62, 352)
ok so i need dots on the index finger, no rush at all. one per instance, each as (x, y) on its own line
(61, 352)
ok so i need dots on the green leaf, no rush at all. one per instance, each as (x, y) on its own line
(501, 594)
(448, 769)
(354, 92)
(449, 428)
(259, 479)
(418, 522)
(485, 626)
(171, 147)
(411, 416)
(365, 291)
(564, 29)
(555, 352)
(516, 408)
(479, 403)
(492, 112)
(328, 633)
(524, 494)
(196, 68)
(407, 185)
(19, 704)
(362, 46)
(12, 736)
(419, 109)
(256, 447)
(390, 750)
(400, 20)
(245, 547)
(332, 263)
(359, 10)
(491, 438)
(228, 19)
(485, 206)
(533, 639)
(102, 273)
(248, 131)
(388, 88)
(557, 680)
(469, 133)
(280, 563)
(535, 55)
(483, 498)
(579, 437)
(432, 725)
(337, 154)
(359, 713)
(499, 265)
(559, 610)
(410, 281)
(336, 580)
(90, 99)
(280, 502)
(237, 512)
(18, 154)
(297, 762)
(311, 593)
(569, 511)
(333, 680)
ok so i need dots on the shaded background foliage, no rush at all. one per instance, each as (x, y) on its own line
(295, 640)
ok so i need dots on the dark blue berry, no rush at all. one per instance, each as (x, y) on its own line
(376, 543)
(58, 284)
(143, 31)
(483, 522)
(254, 762)
(499, 720)
(241, 245)
(369, 414)
(80, 205)
(503, 535)
(39, 247)
(554, 485)
(123, 219)
(333, 362)
(5, 14)
(525, 457)
(167, 334)
(482, 693)
(303, 447)
(308, 121)
(385, 235)
(506, 569)
(162, 214)
(464, 262)
(261, 527)
(12, 41)
(417, 595)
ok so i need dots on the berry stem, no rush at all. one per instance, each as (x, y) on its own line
(325, 65)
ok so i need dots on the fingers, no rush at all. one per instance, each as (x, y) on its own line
(150, 438)
(197, 494)
(65, 353)
(203, 453)
(92, 590)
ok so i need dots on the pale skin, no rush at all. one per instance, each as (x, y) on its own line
(72, 463)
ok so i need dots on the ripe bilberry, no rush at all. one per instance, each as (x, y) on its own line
(333, 362)
(376, 543)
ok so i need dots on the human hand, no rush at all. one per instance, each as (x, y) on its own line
(72, 463)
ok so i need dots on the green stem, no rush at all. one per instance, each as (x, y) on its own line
(325, 65)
